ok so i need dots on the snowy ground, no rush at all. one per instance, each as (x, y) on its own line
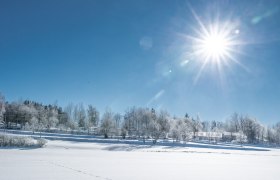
(118, 161)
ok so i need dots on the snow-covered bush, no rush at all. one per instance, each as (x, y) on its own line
(20, 141)
(41, 142)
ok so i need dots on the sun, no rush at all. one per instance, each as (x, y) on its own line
(215, 43)
(215, 46)
(212, 45)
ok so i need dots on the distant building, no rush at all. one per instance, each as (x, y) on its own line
(218, 136)
(211, 136)
(230, 136)
(11, 125)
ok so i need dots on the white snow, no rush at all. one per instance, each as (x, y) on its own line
(92, 160)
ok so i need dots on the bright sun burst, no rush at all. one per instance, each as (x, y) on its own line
(215, 44)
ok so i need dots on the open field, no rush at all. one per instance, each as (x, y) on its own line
(119, 161)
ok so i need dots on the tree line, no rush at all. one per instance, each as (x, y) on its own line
(135, 122)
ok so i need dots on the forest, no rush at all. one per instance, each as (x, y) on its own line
(136, 122)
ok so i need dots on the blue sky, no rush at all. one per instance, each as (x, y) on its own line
(119, 54)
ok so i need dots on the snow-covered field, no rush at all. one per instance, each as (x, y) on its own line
(74, 160)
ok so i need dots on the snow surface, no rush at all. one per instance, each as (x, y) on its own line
(74, 160)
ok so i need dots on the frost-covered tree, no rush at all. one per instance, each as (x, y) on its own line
(163, 121)
(185, 129)
(215, 127)
(249, 127)
(155, 127)
(52, 117)
(276, 129)
(93, 115)
(131, 122)
(69, 110)
(196, 126)
(262, 133)
(117, 120)
(63, 120)
(235, 122)
(34, 124)
(42, 118)
(76, 115)
(174, 130)
(271, 135)
(107, 123)
(233, 125)
(145, 117)
(180, 129)
(81, 115)
(205, 126)
(117, 124)
(2, 107)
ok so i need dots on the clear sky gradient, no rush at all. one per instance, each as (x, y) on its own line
(119, 54)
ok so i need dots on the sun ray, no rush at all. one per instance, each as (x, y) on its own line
(200, 71)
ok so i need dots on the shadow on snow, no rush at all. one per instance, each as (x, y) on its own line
(133, 144)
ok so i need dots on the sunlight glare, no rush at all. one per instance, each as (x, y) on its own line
(215, 46)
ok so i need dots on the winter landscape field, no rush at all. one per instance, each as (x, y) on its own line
(94, 158)
(140, 90)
